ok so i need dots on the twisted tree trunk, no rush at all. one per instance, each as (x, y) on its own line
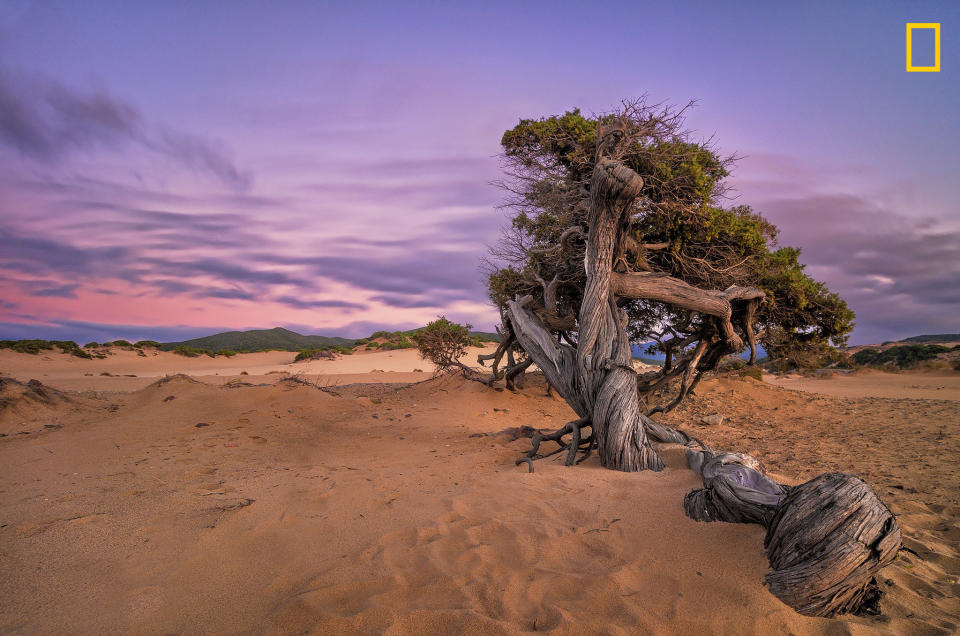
(597, 378)
(604, 359)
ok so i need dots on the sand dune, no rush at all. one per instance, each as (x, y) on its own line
(185, 507)
(129, 371)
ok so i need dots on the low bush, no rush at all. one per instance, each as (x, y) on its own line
(443, 342)
(193, 352)
(34, 347)
(901, 357)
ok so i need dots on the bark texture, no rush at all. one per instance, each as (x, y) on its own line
(826, 539)
(596, 377)
(826, 542)
(735, 489)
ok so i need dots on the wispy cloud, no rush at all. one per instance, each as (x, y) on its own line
(899, 274)
(45, 121)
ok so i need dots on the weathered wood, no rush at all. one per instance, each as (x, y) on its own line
(597, 378)
(826, 539)
(735, 489)
(826, 542)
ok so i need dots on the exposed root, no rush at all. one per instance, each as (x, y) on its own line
(527, 461)
(576, 444)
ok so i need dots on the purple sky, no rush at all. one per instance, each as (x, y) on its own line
(174, 169)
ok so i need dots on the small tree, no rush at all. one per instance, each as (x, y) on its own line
(443, 342)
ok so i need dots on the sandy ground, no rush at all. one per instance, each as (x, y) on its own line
(935, 385)
(129, 371)
(187, 507)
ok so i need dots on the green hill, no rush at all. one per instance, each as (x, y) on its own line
(259, 340)
(934, 337)
(285, 340)
(485, 335)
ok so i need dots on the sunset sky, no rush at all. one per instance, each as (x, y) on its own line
(173, 169)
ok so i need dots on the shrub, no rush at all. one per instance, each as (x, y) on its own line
(90, 345)
(26, 346)
(147, 343)
(71, 347)
(443, 342)
(902, 357)
(193, 352)
(34, 347)
(309, 354)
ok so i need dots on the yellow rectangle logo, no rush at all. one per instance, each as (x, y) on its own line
(936, 47)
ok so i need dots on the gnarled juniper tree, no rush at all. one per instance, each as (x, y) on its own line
(619, 235)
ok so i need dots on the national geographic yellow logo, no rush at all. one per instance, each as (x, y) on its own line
(936, 47)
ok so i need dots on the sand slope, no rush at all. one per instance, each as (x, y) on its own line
(930, 385)
(374, 511)
(126, 370)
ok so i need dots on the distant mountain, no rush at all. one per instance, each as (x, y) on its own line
(934, 337)
(259, 340)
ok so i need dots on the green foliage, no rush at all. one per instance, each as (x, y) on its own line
(313, 353)
(34, 347)
(710, 246)
(91, 345)
(443, 342)
(804, 320)
(119, 343)
(902, 357)
(394, 340)
(146, 343)
(193, 352)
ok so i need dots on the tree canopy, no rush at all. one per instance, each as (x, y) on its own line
(679, 228)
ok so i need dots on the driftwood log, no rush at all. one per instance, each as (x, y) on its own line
(826, 539)
(826, 543)
(735, 489)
